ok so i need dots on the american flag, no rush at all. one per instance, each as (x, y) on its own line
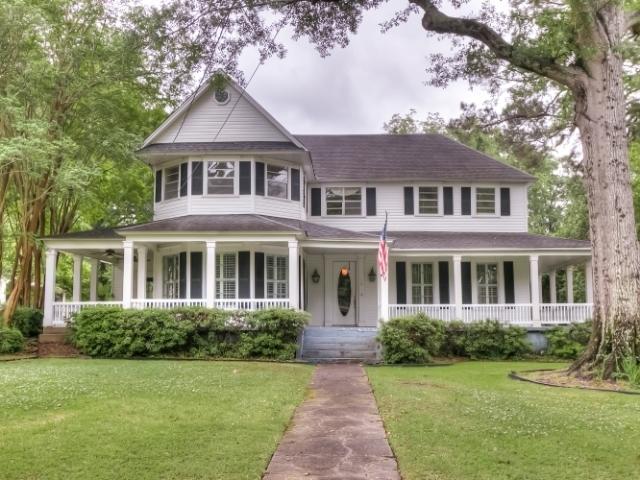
(383, 252)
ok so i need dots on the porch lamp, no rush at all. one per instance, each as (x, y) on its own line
(372, 275)
(315, 276)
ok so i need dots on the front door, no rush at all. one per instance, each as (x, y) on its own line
(344, 308)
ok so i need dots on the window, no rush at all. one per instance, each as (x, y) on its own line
(421, 283)
(277, 273)
(226, 275)
(485, 200)
(220, 178)
(171, 182)
(344, 200)
(428, 200)
(487, 282)
(277, 181)
(171, 276)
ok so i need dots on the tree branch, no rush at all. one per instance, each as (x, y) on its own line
(435, 20)
(633, 22)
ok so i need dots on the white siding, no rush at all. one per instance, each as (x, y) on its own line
(176, 207)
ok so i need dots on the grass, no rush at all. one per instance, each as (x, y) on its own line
(469, 421)
(108, 419)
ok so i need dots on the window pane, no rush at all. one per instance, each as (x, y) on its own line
(416, 276)
(172, 178)
(487, 282)
(334, 201)
(427, 274)
(220, 177)
(428, 200)
(416, 296)
(277, 275)
(277, 181)
(485, 200)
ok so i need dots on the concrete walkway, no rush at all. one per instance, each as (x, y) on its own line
(336, 433)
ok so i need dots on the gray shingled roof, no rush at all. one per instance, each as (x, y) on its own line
(403, 157)
(204, 147)
(98, 233)
(481, 240)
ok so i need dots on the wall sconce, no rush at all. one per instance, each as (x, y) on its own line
(315, 276)
(372, 275)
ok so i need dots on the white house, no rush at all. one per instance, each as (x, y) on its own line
(248, 216)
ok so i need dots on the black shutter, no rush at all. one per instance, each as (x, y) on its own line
(443, 279)
(196, 274)
(401, 282)
(295, 184)
(447, 193)
(505, 201)
(259, 178)
(183, 274)
(159, 185)
(244, 274)
(259, 274)
(184, 181)
(465, 268)
(196, 178)
(509, 290)
(408, 200)
(465, 197)
(316, 202)
(245, 178)
(371, 201)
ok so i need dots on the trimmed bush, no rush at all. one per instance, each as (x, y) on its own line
(492, 340)
(568, 341)
(454, 344)
(28, 321)
(11, 340)
(411, 339)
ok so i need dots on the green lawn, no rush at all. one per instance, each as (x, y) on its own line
(119, 419)
(469, 421)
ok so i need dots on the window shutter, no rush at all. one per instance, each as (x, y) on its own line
(316, 202)
(295, 184)
(401, 282)
(447, 193)
(259, 178)
(509, 289)
(245, 178)
(196, 178)
(196, 274)
(466, 282)
(259, 274)
(465, 197)
(443, 279)
(408, 200)
(158, 185)
(184, 180)
(244, 274)
(505, 201)
(183, 274)
(371, 202)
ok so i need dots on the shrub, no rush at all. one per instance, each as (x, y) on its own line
(630, 371)
(454, 340)
(411, 339)
(28, 321)
(492, 340)
(568, 341)
(11, 340)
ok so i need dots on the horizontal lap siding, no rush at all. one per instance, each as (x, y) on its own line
(279, 208)
(170, 208)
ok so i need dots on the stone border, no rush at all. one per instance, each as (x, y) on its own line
(15, 359)
(513, 375)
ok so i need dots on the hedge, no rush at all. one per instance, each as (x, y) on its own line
(28, 321)
(568, 341)
(193, 332)
(11, 340)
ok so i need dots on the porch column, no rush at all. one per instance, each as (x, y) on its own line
(293, 274)
(127, 274)
(142, 273)
(569, 284)
(383, 296)
(457, 285)
(588, 281)
(534, 285)
(553, 297)
(93, 280)
(211, 274)
(77, 278)
(157, 274)
(49, 286)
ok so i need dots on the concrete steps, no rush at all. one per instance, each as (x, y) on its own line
(340, 344)
(53, 335)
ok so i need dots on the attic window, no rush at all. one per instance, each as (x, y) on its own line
(221, 96)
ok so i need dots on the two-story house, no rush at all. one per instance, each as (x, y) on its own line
(248, 216)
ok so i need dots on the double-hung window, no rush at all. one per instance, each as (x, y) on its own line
(221, 178)
(171, 182)
(226, 278)
(485, 200)
(428, 201)
(421, 283)
(171, 276)
(277, 181)
(343, 200)
(487, 282)
(277, 273)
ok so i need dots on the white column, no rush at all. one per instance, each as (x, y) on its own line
(77, 278)
(535, 288)
(457, 285)
(157, 274)
(293, 274)
(93, 280)
(383, 296)
(127, 274)
(569, 284)
(588, 280)
(302, 304)
(142, 273)
(211, 274)
(552, 287)
(49, 286)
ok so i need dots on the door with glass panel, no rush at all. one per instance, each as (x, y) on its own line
(344, 293)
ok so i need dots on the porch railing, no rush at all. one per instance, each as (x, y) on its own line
(62, 311)
(563, 313)
(443, 312)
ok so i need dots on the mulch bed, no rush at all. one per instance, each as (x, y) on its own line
(57, 350)
(559, 378)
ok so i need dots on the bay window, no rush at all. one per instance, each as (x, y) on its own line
(422, 283)
(487, 282)
(277, 181)
(171, 182)
(221, 178)
(343, 200)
